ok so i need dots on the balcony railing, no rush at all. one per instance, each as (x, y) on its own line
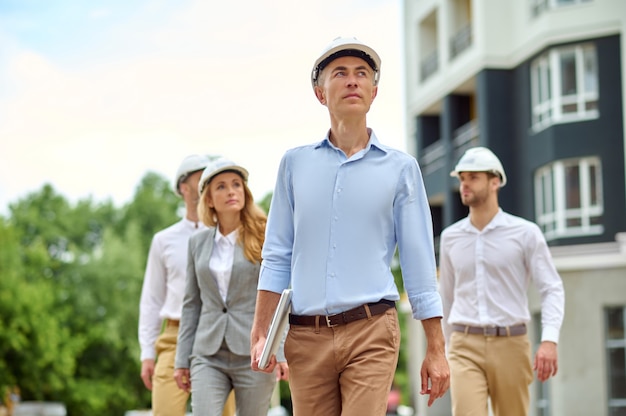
(429, 65)
(433, 157)
(461, 40)
(465, 137)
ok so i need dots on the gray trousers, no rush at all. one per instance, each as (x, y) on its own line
(213, 377)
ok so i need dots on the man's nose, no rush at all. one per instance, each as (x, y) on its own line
(351, 80)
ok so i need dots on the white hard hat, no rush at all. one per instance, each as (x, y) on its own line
(217, 166)
(189, 165)
(480, 159)
(346, 47)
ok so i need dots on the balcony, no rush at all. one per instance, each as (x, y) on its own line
(433, 157)
(461, 41)
(465, 137)
(429, 65)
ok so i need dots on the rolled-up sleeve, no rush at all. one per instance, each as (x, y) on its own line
(275, 274)
(415, 244)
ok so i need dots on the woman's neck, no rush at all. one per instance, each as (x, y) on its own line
(228, 223)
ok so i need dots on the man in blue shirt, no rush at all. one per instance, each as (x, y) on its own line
(339, 210)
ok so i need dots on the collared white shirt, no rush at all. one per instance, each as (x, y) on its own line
(485, 275)
(222, 257)
(164, 282)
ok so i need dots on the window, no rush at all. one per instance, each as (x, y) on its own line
(461, 26)
(537, 7)
(564, 86)
(428, 39)
(616, 359)
(542, 390)
(568, 198)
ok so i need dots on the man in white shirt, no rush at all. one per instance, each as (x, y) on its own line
(162, 297)
(487, 261)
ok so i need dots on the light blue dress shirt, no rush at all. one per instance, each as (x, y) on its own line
(334, 224)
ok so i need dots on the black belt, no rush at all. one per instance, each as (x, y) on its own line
(492, 331)
(344, 317)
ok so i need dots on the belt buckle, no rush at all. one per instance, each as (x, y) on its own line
(328, 324)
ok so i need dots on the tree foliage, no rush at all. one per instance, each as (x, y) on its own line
(34, 347)
(70, 282)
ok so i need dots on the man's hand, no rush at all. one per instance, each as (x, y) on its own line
(546, 361)
(147, 371)
(282, 371)
(266, 303)
(181, 375)
(435, 372)
(255, 357)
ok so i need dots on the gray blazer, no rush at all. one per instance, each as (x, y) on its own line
(206, 319)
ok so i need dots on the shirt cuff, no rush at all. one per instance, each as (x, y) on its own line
(426, 306)
(551, 334)
(273, 280)
(148, 354)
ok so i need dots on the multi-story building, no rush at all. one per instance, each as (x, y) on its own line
(541, 83)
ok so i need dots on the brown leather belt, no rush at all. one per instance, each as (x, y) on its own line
(492, 331)
(173, 322)
(346, 317)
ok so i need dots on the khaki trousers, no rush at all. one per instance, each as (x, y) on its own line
(345, 370)
(483, 367)
(167, 398)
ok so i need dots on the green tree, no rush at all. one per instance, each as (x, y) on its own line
(107, 379)
(69, 294)
(36, 349)
(265, 202)
(153, 207)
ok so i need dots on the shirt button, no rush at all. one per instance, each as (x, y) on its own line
(224, 310)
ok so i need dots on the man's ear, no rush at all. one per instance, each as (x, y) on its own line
(495, 183)
(374, 92)
(319, 93)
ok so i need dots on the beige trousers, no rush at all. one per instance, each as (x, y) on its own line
(346, 370)
(483, 367)
(167, 398)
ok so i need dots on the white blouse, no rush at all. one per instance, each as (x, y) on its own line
(222, 257)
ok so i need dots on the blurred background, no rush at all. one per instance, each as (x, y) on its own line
(101, 100)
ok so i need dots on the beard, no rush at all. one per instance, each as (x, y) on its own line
(474, 198)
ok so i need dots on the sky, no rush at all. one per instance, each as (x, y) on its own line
(95, 94)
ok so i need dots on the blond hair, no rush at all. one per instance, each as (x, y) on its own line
(251, 229)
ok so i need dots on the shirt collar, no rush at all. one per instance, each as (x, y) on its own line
(373, 142)
(230, 239)
(498, 220)
(193, 224)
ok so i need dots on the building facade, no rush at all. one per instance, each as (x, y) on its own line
(542, 84)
